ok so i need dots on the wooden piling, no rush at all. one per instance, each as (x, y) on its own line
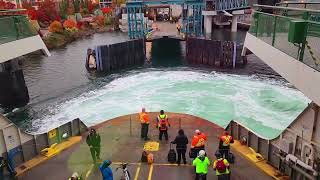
(211, 52)
(121, 55)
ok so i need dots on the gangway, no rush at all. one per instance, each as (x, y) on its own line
(192, 12)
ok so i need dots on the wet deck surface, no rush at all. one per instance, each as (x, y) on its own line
(165, 28)
(121, 146)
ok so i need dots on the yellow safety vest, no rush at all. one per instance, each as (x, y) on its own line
(226, 163)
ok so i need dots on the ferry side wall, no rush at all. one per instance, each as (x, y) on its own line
(23, 146)
(300, 139)
(257, 143)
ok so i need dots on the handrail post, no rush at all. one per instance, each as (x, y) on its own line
(257, 23)
(306, 16)
(130, 126)
(274, 30)
(16, 25)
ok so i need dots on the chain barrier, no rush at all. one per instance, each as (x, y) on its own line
(315, 59)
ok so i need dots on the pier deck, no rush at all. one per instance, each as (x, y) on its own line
(165, 29)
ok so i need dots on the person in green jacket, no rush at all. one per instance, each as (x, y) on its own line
(201, 163)
(93, 141)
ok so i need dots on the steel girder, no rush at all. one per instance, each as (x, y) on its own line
(192, 20)
(136, 25)
(227, 5)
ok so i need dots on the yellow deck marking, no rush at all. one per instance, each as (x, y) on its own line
(89, 171)
(118, 163)
(137, 172)
(150, 172)
(151, 146)
(155, 164)
(160, 164)
(262, 164)
(41, 158)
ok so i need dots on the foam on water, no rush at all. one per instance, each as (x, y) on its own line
(266, 107)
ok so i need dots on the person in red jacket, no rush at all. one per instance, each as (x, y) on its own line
(224, 144)
(198, 142)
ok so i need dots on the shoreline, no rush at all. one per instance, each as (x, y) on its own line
(64, 39)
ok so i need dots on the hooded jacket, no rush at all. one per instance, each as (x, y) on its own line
(201, 164)
(106, 172)
(93, 140)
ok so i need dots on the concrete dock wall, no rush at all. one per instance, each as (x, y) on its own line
(13, 89)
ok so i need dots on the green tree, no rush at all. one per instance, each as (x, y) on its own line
(63, 8)
(76, 5)
(118, 2)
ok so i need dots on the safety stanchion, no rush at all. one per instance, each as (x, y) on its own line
(130, 126)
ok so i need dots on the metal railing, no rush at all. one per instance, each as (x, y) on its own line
(300, 4)
(14, 28)
(277, 29)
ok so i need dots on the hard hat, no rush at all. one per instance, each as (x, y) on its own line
(197, 131)
(75, 175)
(202, 153)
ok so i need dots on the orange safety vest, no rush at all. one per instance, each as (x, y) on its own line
(199, 140)
(144, 118)
(226, 139)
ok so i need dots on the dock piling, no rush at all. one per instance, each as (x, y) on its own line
(122, 55)
(212, 53)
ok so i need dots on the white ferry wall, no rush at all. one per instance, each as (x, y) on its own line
(30, 145)
(301, 135)
(34, 43)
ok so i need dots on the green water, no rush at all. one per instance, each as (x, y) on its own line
(267, 107)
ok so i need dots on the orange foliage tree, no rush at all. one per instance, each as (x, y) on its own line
(55, 27)
(69, 23)
(99, 20)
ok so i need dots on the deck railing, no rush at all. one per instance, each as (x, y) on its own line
(297, 34)
(14, 28)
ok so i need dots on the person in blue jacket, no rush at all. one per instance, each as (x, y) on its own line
(106, 170)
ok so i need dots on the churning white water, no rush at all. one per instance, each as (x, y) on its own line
(264, 106)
